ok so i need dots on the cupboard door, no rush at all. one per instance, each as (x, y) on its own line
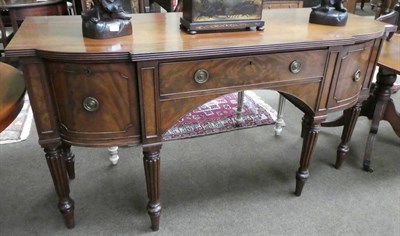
(351, 72)
(95, 101)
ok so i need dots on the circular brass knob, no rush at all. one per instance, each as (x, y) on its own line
(295, 67)
(201, 76)
(357, 75)
(91, 104)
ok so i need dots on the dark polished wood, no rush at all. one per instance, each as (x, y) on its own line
(151, 161)
(151, 79)
(12, 91)
(58, 171)
(69, 160)
(19, 9)
(380, 106)
(350, 118)
(310, 126)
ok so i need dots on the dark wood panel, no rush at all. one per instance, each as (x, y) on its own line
(228, 72)
(346, 85)
(110, 85)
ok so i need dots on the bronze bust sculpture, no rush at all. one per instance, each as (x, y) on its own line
(329, 12)
(106, 19)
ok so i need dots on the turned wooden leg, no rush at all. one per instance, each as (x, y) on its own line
(378, 113)
(57, 166)
(113, 152)
(151, 162)
(383, 110)
(239, 109)
(350, 117)
(279, 121)
(310, 135)
(69, 160)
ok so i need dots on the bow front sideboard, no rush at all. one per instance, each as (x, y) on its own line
(132, 89)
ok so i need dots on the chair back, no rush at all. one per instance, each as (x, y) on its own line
(5, 34)
(388, 11)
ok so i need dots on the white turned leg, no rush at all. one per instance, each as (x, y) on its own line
(279, 121)
(113, 151)
(239, 109)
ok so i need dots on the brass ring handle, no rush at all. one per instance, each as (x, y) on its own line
(201, 76)
(91, 104)
(357, 75)
(295, 67)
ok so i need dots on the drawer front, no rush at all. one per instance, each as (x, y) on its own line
(352, 69)
(95, 101)
(183, 77)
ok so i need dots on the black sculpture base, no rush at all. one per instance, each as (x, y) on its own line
(328, 16)
(207, 26)
(106, 29)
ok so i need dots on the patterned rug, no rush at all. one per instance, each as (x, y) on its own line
(218, 116)
(20, 128)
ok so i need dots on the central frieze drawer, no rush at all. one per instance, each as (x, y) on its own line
(179, 77)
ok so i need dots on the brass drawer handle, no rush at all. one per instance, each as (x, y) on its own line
(201, 76)
(357, 75)
(91, 104)
(295, 67)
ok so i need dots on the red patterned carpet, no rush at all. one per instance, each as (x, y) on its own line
(218, 116)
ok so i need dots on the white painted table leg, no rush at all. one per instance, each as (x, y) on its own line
(113, 151)
(279, 121)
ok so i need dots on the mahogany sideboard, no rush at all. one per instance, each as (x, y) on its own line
(132, 89)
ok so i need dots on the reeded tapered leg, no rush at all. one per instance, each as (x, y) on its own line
(310, 130)
(151, 161)
(69, 160)
(383, 110)
(56, 163)
(350, 117)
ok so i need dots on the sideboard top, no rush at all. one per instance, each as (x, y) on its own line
(158, 36)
